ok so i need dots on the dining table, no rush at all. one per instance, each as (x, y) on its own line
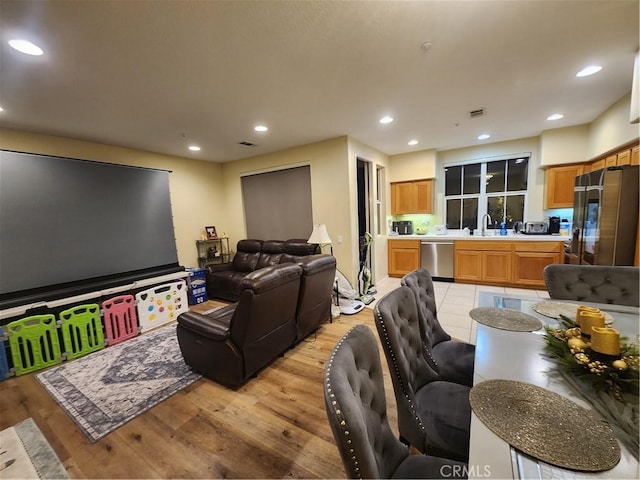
(520, 356)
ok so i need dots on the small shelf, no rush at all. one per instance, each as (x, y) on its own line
(211, 252)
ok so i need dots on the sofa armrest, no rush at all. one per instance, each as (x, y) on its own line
(214, 325)
(220, 267)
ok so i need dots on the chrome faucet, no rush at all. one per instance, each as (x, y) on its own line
(486, 216)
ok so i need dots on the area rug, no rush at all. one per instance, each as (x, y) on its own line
(25, 453)
(106, 389)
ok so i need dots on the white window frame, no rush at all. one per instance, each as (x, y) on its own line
(483, 196)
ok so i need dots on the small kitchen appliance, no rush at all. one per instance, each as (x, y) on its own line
(403, 227)
(554, 225)
(536, 228)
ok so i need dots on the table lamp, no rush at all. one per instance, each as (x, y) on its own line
(320, 236)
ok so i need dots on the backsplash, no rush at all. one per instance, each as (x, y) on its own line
(424, 222)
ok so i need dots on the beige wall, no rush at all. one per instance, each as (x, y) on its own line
(564, 145)
(612, 129)
(413, 166)
(378, 249)
(196, 186)
(331, 192)
(533, 210)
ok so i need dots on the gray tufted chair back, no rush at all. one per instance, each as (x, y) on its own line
(396, 317)
(421, 284)
(357, 409)
(617, 285)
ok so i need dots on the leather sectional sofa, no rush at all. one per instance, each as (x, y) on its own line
(223, 280)
(283, 299)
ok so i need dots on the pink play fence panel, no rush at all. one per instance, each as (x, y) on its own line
(119, 318)
(161, 304)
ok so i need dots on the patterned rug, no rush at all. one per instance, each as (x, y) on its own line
(106, 389)
(25, 453)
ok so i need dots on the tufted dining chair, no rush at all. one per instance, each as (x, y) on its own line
(452, 360)
(619, 285)
(433, 415)
(357, 412)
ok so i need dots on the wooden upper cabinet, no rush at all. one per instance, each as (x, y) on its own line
(412, 197)
(635, 155)
(624, 157)
(424, 196)
(598, 164)
(611, 161)
(559, 185)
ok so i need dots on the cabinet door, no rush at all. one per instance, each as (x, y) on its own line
(424, 196)
(528, 267)
(624, 158)
(496, 267)
(559, 185)
(635, 155)
(468, 265)
(611, 161)
(598, 165)
(403, 198)
(404, 257)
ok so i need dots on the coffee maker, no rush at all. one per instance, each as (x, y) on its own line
(554, 225)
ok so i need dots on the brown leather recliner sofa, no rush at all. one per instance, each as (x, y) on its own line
(316, 283)
(233, 343)
(223, 280)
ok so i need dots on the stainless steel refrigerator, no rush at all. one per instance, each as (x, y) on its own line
(605, 217)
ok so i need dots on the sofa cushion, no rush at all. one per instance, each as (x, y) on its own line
(247, 254)
(297, 248)
(271, 253)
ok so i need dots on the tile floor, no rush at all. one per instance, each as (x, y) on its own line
(454, 300)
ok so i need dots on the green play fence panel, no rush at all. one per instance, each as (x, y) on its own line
(34, 343)
(81, 330)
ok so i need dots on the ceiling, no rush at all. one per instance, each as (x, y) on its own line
(161, 75)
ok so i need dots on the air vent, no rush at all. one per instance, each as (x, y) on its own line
(480, 112)
(247, 144)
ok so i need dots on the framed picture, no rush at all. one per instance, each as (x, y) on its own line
(211, 233)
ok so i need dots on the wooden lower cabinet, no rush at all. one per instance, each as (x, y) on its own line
(516, 263)
(496, 267)
(404, 257)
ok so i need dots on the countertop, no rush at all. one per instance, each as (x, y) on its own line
(457, 235)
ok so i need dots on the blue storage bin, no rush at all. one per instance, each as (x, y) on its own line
(197, 283)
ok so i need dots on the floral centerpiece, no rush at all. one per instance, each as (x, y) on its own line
(609, 381)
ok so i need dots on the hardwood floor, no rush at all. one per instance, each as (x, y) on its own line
(273, 427)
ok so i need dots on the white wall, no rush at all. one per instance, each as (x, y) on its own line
(612, 129)
(533, 209)
(378, 249)
(564, 145)
(413, 165)
(195, 186)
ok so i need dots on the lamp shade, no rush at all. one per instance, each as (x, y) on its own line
(320, 235)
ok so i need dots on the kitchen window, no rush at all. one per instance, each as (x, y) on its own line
(497, 187)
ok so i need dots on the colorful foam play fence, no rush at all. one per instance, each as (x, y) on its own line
(119, 318)
(81, 330)
(4, 361)
(161, 304)
(34, 343)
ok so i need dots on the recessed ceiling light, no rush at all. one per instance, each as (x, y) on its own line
(590, 70)
(484, 136)
(194, 148)
(555, 116)
(25, 46)
(386, 119)
(413, 142)
(260, 128)
(1, 109)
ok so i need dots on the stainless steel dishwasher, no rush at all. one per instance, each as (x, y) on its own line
(437, 257)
